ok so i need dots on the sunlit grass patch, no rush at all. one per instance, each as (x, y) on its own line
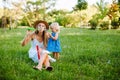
(86, 55)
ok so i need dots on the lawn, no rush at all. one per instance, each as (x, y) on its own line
(86, 55)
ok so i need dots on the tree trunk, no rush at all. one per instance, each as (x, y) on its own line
(28, 20)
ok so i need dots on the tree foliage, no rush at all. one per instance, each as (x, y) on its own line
(101, 6)
(39, 7)
(57, 12)
(113, 11)
(81, 5)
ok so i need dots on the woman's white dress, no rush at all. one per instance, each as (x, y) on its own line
(33, 51)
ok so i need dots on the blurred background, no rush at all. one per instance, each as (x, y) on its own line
(102, 14)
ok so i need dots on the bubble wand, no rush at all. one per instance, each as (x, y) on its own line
(30, 29)
(38, 51)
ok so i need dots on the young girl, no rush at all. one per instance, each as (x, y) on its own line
(53, 41)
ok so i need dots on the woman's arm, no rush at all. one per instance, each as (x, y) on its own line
(54, 38)
(48, 35)
(27, 38)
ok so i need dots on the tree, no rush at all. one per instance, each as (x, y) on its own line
(81, 5)
(113, 10)
(39, 7)
(114, 13)
(119, 5)
(55, 12)
(4, 20)
(101, 6)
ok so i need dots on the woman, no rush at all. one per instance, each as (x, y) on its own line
(38, 39)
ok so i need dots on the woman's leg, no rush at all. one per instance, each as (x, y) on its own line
(42, 60)
(46, 62)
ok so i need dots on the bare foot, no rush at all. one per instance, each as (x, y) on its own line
(37, 68)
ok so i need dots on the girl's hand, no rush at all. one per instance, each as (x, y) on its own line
(55, 37)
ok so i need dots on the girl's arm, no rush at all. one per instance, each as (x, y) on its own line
(56, 37)
(27, 38)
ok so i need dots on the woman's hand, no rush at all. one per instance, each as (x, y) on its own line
(28, 32)
(48, 35)
(41, 29)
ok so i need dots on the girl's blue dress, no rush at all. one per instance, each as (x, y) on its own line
(53, 45)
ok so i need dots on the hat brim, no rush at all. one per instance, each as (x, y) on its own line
(40, 21)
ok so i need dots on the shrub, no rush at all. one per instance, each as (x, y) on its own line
(69, 20)
(61, 20)
(23, 22)
(104, 25)
(93, 24)
(115, 24)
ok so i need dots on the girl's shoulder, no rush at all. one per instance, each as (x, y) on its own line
(54, 33)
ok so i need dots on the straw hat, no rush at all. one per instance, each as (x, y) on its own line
(40, 21)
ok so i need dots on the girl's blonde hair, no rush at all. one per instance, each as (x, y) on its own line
(56, 26)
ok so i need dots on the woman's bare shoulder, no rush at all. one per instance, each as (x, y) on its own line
(47, 33)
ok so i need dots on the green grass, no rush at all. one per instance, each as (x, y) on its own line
(86, 55)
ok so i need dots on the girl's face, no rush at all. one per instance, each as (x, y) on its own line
(41, 27)
(53, 29)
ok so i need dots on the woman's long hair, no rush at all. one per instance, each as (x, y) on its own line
(45, 39)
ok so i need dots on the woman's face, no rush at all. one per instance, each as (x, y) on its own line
(41, 27)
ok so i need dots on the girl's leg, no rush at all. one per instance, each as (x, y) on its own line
(57, 55)
(54, 55)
